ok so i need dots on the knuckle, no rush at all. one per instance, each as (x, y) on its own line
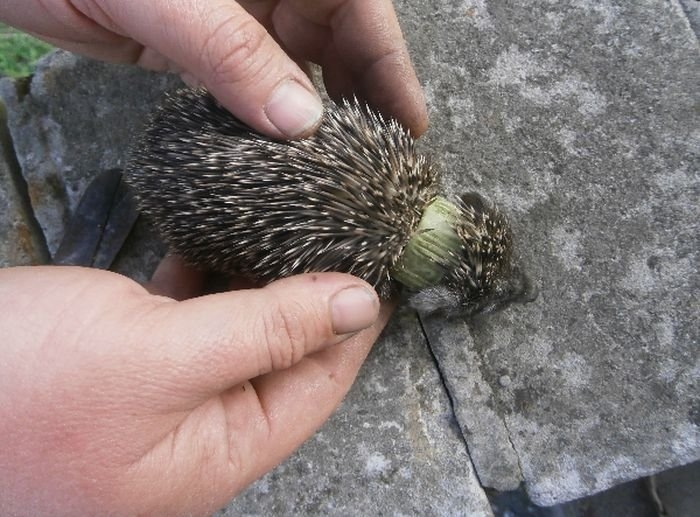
(233, 50)
(286, 336)
(96, 12)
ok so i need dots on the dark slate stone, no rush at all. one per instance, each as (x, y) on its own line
(21, 240)
(73, 118)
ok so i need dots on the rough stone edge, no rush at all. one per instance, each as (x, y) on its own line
(490, 463)
(35, 241)
(691, 10)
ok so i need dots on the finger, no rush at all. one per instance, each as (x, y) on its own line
(251, 427)
(233, 56)
(56, 21)
(297, 401)
(175, 279)
(205, 345)
(361, 48)
(381, 68)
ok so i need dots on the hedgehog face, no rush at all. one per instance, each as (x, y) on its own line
(463, 299)
(483, 279)
(486, 242)
(487, 278)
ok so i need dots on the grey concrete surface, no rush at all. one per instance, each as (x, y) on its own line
(580, 120)
(393, 447)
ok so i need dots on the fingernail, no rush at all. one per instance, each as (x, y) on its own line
(293, 109)
(353, 309)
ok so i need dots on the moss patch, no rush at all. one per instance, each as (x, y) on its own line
(19, 52)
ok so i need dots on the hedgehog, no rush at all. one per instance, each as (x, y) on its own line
(356, 197)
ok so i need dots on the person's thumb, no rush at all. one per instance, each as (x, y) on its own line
(233, 55)
(206, 345)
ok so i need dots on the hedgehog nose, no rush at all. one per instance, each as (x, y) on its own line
(524, 289)
(531, 291)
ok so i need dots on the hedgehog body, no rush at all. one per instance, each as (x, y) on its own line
(355, 197)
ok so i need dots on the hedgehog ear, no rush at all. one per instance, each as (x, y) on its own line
(435, 298)
(474, 200)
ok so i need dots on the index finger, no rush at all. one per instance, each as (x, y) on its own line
(361, 50)
(286, 407)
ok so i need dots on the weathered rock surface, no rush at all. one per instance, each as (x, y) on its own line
(580, 119)
(73, 118)
(21, 244)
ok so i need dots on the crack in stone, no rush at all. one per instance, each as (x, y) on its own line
(509, 435)
(515, 450)
(444, 383)
(478, 353)
(454, 402)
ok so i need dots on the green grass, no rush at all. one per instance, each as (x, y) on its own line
(18, 52)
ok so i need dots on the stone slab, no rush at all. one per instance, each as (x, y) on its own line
(580, 120)
(71, 119)
(393, 447)
(21, 240)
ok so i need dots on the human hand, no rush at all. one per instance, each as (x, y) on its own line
(115, 400)
(244, 52)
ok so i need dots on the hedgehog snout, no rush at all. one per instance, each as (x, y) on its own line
(481, 277)
(515, 287)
